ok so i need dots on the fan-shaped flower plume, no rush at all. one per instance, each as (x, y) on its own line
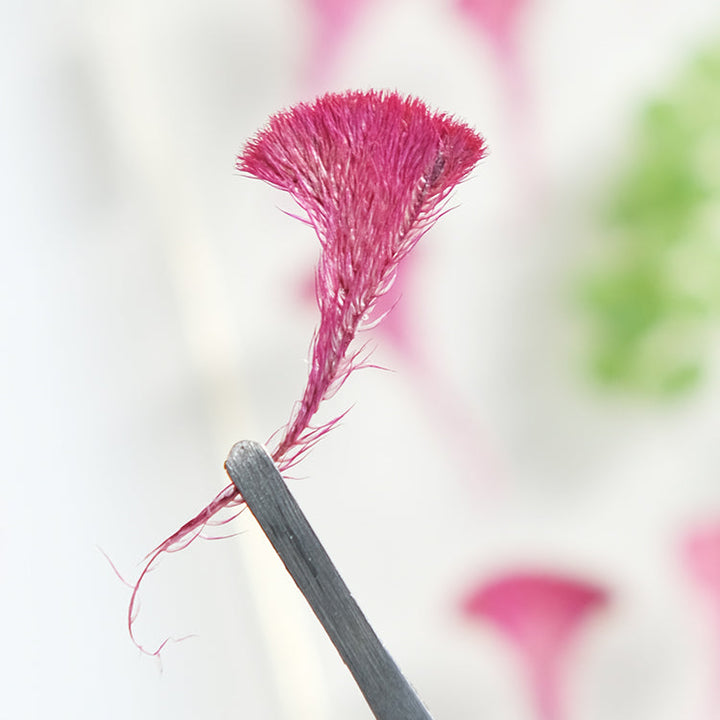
(372, 171)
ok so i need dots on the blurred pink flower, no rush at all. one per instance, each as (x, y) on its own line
(497, 19)
(332, 21)
(541, 615)
(372, 171)
(702, 560)
(499, 23)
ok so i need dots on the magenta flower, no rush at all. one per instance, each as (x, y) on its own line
(372, 171)
(541, 615)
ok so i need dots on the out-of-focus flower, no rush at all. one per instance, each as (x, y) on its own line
(701, 556)
(541, 615)
(332, 21)
(497, 19)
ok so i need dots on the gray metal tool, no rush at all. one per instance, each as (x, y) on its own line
(386, 690)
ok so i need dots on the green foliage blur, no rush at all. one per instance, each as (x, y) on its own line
(653, 300)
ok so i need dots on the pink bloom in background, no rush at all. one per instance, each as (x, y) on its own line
(499, 23)
(496, 22)
(372, 171)
(541, 615)
(701, 556)
(496, 19)
(332, 22)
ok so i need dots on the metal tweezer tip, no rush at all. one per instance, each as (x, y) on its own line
(386, 690)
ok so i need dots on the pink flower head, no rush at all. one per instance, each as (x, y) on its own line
(371, 170)
(541, 615)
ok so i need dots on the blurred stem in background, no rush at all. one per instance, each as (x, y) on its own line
(143, 131)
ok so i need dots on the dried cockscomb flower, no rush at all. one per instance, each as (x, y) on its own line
(371, 170)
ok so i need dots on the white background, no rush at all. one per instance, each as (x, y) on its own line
(150, 318)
